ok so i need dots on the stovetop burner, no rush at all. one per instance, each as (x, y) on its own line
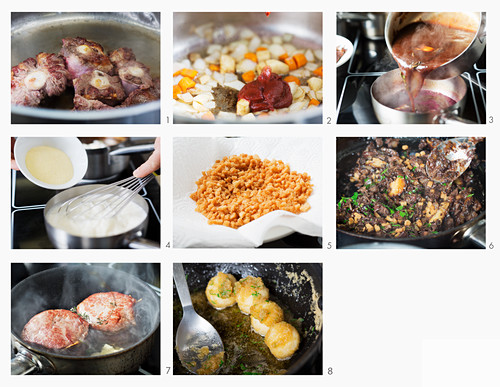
(372, 59)
(28, 203)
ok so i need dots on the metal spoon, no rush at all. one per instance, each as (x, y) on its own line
(451, 158)
(198, 344)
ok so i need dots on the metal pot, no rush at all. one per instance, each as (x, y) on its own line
(61, 239)
(372, 23)
(108, 162)
(33, 32)
(473, 231)
(303, 299)
(64, 287)
(307, 28)
(472, 20)
(390, 83)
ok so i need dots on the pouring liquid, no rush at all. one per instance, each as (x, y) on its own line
(422, 47)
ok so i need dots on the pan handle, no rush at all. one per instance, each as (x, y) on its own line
(143, 243)
(128, 150)
(477, 234)
(451, 118)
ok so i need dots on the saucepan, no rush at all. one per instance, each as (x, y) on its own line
(110, 159)
(296, 287)
(474, 21)
(61, 239)
(64, 287)
(306, 28)
(33, 32)
(387, 87)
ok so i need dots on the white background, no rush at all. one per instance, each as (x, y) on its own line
(391, 318)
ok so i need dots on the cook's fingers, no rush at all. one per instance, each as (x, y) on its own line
(151, 164)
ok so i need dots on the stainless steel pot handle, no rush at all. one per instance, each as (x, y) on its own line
(26, 362)
(451, 118)
(143, 243)
(128, 150)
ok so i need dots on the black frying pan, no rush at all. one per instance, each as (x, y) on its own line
(63, 288)
(348, 150)
(296, 297)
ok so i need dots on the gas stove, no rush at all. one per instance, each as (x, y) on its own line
(371, 59)
(28, 202)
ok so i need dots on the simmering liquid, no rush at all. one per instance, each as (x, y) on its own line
(426, 101)
(422, 47)
(49, 165)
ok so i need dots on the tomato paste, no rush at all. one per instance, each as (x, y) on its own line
(267, 92)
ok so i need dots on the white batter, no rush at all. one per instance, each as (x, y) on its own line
(49, 164)
(89, 223)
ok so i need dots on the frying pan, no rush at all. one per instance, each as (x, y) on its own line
(63, 240)
(64, 287)
(383, 89)
(299, 298)
(307, 28)
(33, 32)
(348, 150)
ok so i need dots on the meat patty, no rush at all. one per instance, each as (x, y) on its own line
(34, 79)
(110, 312)
(55, 329)
(83, 56)
(100, 86)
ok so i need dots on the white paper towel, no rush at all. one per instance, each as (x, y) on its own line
(192, 156)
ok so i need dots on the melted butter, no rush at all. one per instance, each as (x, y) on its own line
(49, 165)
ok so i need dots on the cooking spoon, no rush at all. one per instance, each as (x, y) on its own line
(450, 159)
(198, 344)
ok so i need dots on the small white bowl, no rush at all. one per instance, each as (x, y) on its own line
(342, 42)
(69, 145)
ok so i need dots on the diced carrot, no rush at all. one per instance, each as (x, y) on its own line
(214, 67)
(208, 116)
(186, 83)
(177, 73)
(177, 90)
(314, 102)
(261, 49)
(249, 76)
(300, 60)
(291, 63)
(189, 73)
(291, 78)
(252, 56)
(283, 57)
(318, 71)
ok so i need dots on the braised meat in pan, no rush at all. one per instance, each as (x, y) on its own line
(55, 329)
(36, 78)
(109, 312)
(133, 74)
(390, 194)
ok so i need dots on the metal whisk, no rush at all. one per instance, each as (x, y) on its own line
(106, 201)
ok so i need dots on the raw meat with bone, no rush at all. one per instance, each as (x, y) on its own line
(83, 56)
(34, 79)
(109, 312)
(84, 104)
(134, 75)
(100, 86)
(55, 329)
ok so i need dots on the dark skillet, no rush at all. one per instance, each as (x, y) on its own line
(297, 298)
(348, 151)
(66, 286)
